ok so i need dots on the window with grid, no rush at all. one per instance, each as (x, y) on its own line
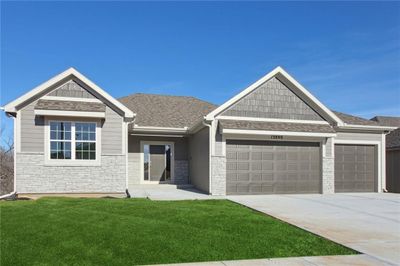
(60, 140)
(72, 140)
(85, 141)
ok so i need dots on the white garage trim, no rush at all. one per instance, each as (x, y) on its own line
(274, 133)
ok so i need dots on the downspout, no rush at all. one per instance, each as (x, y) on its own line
(209, 154)
(13, 194)
(126, 157)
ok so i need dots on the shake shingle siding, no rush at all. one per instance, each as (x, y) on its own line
(273, 99)
(71, 89)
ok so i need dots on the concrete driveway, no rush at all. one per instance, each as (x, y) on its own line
(366, 222)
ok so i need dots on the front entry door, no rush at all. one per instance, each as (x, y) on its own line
(157, 163)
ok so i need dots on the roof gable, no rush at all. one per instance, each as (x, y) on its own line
(273, 99)
(63, 81)
(291, 84)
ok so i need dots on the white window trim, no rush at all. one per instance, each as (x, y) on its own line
(72, 161)
(142, 143)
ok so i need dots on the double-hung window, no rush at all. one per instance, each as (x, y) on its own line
(60, 140)
(85, 141)
(74, 141)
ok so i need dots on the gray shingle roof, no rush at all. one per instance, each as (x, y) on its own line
(391, 121)
(273, 126)
(393, 139)
(166, 111)
(70, 106)
(355, 120)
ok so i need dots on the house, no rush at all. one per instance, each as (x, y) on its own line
(392, 152)
(71, 136)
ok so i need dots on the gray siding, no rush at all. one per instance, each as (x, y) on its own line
(112, 133)
(199, 159)
(273, 99)
(71, 89)
(180, 156)
(32, 130)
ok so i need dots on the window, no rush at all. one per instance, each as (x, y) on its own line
(85, 137)
(72, 140)
(60, 140)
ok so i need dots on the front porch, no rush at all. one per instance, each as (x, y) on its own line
(155, 159)
(169, 192)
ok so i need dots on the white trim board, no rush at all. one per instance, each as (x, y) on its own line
(71, 72)
(159, 129)
(275, 133)
(274, 120)
(70, 113)
(273, 73)
(70, 99)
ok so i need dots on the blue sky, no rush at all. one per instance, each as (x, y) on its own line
(346, 54)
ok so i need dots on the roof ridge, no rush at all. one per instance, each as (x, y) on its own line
(167, 95)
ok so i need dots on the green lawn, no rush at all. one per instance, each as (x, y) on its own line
(56, 231)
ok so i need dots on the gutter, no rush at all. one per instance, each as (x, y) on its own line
(209, 153)
(367, 127)
(13, 194)
(138, 128)
(128, 195)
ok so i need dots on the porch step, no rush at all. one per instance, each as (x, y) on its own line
(162, 186)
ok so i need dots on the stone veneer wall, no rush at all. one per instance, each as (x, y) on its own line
(218, 175)
(328, 168)
(181, 172)
(35, 177)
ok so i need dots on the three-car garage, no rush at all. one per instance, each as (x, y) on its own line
(293, 167)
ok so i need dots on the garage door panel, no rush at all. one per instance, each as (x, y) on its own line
(243, 177)
(256, 177)
(355, 169)
(286, 167)
(256, 155)
(267, 155)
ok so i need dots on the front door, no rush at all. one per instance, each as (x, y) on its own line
(157, 163)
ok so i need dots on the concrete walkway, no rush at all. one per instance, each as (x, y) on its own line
(366, 222)
(354, 260)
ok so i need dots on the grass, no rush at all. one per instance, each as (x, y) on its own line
(66, 231)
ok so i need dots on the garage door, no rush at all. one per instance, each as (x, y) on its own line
(271, 167)
(355, 168)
